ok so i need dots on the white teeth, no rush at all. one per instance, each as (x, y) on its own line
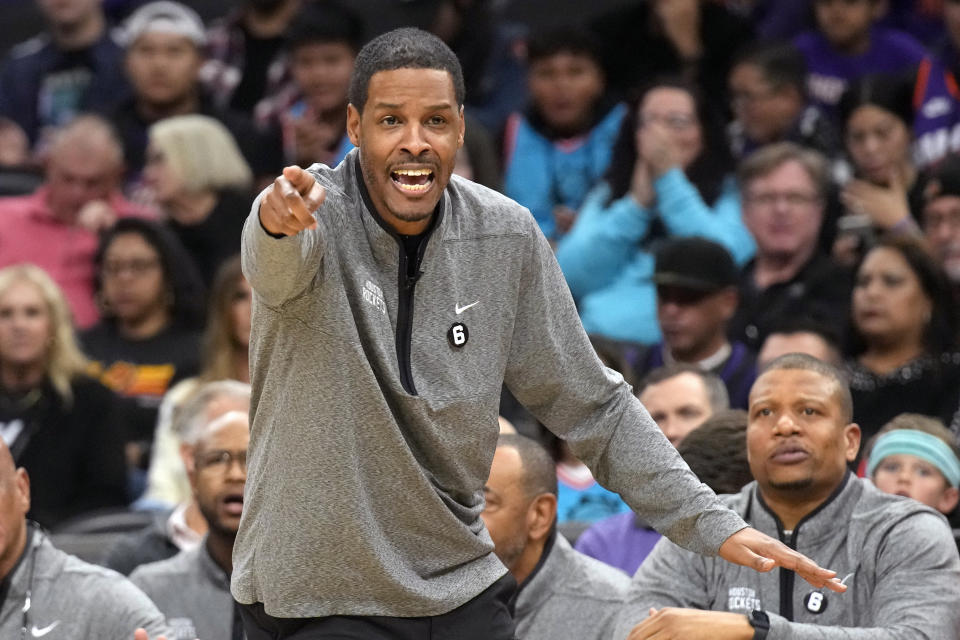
(413, 172)
(412, 187)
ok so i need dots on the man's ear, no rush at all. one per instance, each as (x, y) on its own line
(23, 489)
(541, 515)
(463, 129)
(353, 125)
(851, 437)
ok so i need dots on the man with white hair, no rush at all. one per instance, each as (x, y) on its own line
(192, 589)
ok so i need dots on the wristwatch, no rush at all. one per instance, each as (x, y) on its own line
(760, 622)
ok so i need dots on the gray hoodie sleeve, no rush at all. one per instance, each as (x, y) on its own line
(916, 595)
(128, 607)
(669, 577)
(553, 370)
(280, 269)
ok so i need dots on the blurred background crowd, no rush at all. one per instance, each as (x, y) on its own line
(723, 182)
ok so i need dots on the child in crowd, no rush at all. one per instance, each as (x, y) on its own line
(917, 457)
(322, 42)
(847, 45)
(561, 147)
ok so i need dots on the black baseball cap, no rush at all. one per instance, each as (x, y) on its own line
(694, 263)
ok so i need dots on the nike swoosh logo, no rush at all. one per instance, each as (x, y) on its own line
(460, 309)
(39, 633)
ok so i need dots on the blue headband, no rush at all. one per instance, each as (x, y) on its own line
(917, 443)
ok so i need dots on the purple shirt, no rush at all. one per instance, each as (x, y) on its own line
(829, 71)
(618, 542)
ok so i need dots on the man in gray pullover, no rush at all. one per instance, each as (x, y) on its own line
(192, 589)
(896, 555)
(46, 593)
(391, 302)
(562, 594)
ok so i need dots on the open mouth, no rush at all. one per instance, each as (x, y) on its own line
(233, 504)
(412, 180)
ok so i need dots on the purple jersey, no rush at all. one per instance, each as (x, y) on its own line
(829, 72)
(936, 124)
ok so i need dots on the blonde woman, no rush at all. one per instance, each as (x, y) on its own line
(201, 183)
(61, 425)
(225, 357)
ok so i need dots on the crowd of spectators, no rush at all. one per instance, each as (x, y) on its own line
(724, 182)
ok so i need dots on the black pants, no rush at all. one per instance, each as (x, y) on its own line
(486, 617)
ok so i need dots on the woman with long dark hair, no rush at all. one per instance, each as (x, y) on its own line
(902, 339)
(152, 301)
(669, 177)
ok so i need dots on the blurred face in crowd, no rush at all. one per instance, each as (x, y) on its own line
(783, 211)
(507, 506)
(675, 110)
(408, 134)
(889, 303)
(220, 471)
(14, 504)
(678, 405)
(134, 287)
(163, 179)
(565, 87)
(69, 12)
(693, 322)
(163, 68)
(941, 226)
(903, 474)
(78, 175)
(240, 311)
(808, 342)
(846, 23)
(799, 439)
(322, 72)
(25, 325)
(878, 142)
(766, 112)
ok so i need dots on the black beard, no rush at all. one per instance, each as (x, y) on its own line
(794, 486)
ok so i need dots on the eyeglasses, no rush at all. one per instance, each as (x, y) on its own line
(220, 460)
(792, 198)
(137, 267)
(675, 121)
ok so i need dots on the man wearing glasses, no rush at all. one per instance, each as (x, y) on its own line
(783, 188)
(192, 589)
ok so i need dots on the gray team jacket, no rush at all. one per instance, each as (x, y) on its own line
(72, 599)
(569, 597)
(375, 400)
(897, 555)
(193, 592)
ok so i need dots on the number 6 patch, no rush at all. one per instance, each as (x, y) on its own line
(458, 335)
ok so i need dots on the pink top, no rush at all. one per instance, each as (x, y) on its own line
(30, 233)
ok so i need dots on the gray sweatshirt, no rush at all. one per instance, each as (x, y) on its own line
(72, 599)
(193, 592)
(905, 581)
(570, 597)
(374, 423)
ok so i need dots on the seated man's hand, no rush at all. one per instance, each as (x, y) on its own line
(750, 548)
(141, 634)
(671, 623)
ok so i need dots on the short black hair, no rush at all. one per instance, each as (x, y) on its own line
(538, 470)
(781, 64)
(716, 451)
(405, 48)
(563, 39)
(806, 362)
(325, 21)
